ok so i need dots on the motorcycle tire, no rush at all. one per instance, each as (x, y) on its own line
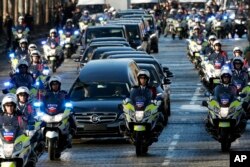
(53, 66)
(225, 142)
(52, 149)
(169, 107)
(140, 148)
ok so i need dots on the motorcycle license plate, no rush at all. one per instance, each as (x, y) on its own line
(218, 28)
(139, 128)
(19, 35)
(224, 124)
(216, 81)
(67, 46)
(67, 40)
(52, 58)
(8, 164)
(197, 54)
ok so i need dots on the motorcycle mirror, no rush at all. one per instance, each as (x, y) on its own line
(119, 106)
(166, 81)
(242, 95)
(204, 104)
(170, 74)
(165, 69)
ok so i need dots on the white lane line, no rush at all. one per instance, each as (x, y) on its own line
(195, 97)
(170, 150)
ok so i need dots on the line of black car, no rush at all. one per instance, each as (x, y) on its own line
(108, 70)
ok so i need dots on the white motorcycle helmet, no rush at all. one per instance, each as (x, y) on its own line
(237, 49)
(35, 53)
(23, 40)
(9, 98)
(55, 79)
(23, 63)
(32, 46)
(144, 73)
(217, 42)
(238, 60)
(22, 89)
(20, 18)
(212, 37)
(53, 30)
(226, 72)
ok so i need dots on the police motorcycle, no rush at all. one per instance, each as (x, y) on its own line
(56, 126)
(179, 28)
(226, 119)
(68, 41)
(19, 32)
(53, 54)
(195, 51)
(16, 146)
(219, 28)
(142, 123)
(240, 27)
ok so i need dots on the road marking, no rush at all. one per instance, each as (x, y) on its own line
(170, 150)
(195, 97)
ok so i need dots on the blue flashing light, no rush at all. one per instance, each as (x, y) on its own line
(43, 42)
(12, 55)
(60, 31)
(68, 105)
(76, 32)
(37, 104)
(6, 84)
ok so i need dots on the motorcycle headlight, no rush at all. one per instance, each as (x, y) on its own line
(60, 31)
(8, 149)
(243, 22)
(12, 55)
(43, 42)
(68, 105)
(18, 146)
(47, 118)
(224, 112)
(139, 115)
(7, 84)
(237, 21)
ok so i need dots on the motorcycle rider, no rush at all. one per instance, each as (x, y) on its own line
(226, 86)
(11, 116)
(218, 54)
(32, 47)
(209, 49)
(239, 74)
(193, 14)
(53, 36)
(142, 89)
(20, 26)
(23, 78)
(36, 65)
(197, 33)
(69, 26)
(85, 16)
(56, 94)
(22, 51)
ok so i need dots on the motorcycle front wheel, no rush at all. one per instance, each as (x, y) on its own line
(140, 147)
(225, 142)
(52, 149)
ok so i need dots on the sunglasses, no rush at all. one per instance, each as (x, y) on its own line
(54, 83)
(22, 94)
(142, 77)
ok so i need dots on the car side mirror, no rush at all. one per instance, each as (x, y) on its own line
(204, 104)
(166, 81)
(165, 69)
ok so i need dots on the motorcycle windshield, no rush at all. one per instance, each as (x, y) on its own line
(53, 106)
(140, 103)
(224, 100)
(9, 132)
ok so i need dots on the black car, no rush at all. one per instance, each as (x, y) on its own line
(105, 39)
(99, 51)
(103, 31)
(107, 54)
(119, 56)
(96, 93)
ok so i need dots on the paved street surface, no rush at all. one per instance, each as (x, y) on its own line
(183, 143)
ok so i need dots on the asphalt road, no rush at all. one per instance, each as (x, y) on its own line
(184, 142)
